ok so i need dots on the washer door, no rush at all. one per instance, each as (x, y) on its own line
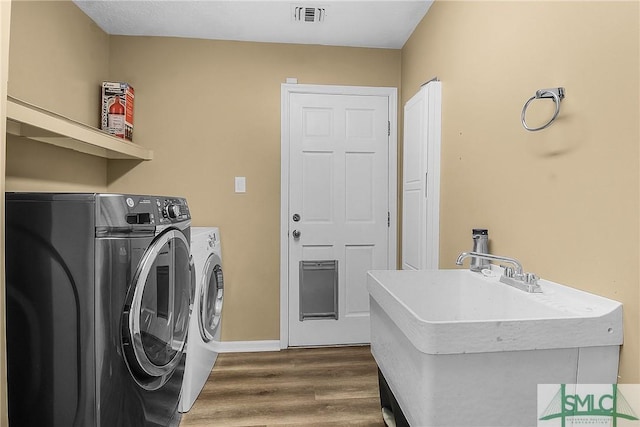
(211, 298)
(156, 317)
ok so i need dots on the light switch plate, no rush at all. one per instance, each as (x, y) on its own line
(241, 184)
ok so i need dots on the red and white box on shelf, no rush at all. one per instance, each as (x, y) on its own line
(117, 109)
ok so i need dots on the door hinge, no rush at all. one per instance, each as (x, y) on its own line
(388, 128)
(388, 219)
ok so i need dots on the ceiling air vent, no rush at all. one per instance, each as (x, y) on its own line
(308, 14)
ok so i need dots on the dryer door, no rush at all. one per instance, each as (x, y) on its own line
(156, 323)
(211, 297)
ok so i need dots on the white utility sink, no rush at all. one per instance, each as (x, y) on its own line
(459, 348)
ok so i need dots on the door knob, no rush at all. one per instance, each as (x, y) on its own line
(296, 234)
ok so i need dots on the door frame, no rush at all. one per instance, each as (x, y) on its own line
(286, 91)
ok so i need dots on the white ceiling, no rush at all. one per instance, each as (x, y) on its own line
(378, 23)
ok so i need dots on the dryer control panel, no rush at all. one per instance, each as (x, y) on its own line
(138, 211)
(172, 210)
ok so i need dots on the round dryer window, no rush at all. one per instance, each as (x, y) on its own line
(157, 322)
(211, 297)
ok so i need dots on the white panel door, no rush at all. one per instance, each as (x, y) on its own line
(421, 179)
(338, 211)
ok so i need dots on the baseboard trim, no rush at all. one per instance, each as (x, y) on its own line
(248, 346)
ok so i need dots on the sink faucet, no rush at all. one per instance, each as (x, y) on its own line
(515, 262)
(515, 276)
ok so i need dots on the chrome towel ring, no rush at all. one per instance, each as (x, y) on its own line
(556, 93)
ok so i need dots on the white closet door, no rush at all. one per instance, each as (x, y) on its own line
(421, 179)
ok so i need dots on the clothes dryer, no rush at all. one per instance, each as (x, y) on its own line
(99, 290)
(204, 327)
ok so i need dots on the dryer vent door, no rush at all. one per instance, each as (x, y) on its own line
(157, 318)
(211, 298)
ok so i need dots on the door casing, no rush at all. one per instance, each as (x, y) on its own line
(286, 90)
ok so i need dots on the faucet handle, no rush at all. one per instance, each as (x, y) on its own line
(530, 279)
(508, 271)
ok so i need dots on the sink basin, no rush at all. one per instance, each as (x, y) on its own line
(458, 311)
(441, 337)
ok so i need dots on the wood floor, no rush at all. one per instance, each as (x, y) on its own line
(297, 387)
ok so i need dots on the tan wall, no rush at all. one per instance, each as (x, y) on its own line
(563, 200)
(58, 57)
(210, 110)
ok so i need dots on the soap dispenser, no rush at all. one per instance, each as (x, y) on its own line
(480, 238)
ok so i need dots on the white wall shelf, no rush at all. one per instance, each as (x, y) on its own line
(29, 121)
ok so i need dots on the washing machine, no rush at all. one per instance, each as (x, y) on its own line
(204, 327)
(99, 293)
